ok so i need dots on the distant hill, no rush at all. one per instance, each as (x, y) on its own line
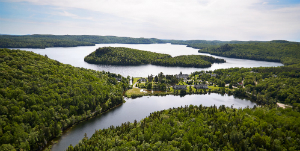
(282, 51)
(44, 41)
(48, 40)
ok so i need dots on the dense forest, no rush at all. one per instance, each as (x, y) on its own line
(41, 97)
(264, 85)
(128, 56)
(200, 44)
(278, 51)
(202, 128)
(43, 41)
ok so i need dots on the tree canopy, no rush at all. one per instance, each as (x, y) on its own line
(278, 51)
(264, 85)
(202, 128)
(128, 56)
(41, 97)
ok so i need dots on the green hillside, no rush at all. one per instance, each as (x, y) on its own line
(128, 56)
(200, 44)
(41, 97)
(264, 85)
(285, 52)
(202, 128)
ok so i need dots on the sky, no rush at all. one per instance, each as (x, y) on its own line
(163, 19)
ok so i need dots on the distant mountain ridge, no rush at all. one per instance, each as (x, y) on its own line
(48, 40)
(44, 41)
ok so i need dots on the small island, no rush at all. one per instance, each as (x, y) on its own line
(128, 56)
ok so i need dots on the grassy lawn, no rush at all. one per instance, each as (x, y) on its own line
(135, 91)
(141, 85)
(135, 79)
(171, 89)
(213, 88)
(217, 88)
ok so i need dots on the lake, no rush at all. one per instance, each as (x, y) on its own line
(75, 55)
(141, 107)
(138, 109)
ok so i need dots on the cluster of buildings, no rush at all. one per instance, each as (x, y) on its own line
(185, 77)
(182, 76)
(142, 80)
(183, 87)
(211, 74)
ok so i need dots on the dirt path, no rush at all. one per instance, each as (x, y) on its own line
(243, 83)
(134, 86)
(282, 105)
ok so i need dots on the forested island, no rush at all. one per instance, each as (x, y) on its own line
(202, 128)
(41, 97)
(128, 56)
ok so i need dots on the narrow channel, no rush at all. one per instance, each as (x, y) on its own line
(139, 108)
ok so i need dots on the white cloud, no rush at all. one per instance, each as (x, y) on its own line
(264, 3)
(67, 14)
(193, 19)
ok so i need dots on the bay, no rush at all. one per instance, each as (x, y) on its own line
(75, 57)
(139, 108)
